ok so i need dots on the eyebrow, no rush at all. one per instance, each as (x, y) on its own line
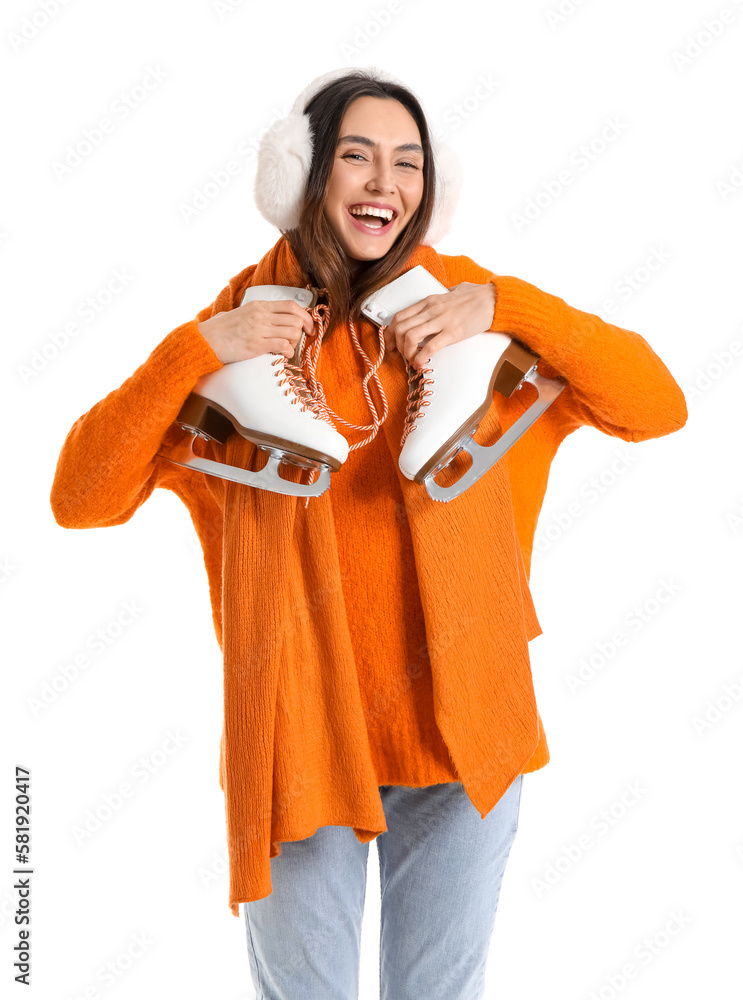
(407, 147)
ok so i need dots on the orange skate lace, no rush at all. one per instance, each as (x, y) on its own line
(416, 393)
(309, 388)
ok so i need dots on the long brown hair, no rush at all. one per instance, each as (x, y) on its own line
(313, 241)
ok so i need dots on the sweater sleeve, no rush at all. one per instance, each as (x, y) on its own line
(108, 465)
(616, 382)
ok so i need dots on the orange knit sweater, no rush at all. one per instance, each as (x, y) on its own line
(108, 467)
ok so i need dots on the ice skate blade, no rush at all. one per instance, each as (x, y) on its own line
(267, 478)
(484, 457)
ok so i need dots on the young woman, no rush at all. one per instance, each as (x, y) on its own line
(377, 681)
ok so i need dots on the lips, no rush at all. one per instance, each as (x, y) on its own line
(369, 230)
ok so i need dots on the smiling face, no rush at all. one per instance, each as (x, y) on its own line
(378, 164)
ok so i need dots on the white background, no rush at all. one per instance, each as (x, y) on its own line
(662, 526)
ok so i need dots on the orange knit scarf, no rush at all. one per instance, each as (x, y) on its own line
(284, 626)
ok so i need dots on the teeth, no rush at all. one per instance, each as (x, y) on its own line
(383, 213)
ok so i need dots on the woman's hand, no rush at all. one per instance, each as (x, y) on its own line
(255, 328)
(422, 329)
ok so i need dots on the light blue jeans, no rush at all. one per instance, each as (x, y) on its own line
(441, 867)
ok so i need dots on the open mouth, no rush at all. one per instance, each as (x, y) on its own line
(371, 223)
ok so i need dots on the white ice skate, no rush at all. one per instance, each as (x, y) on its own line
(449, 397)
(268, 402)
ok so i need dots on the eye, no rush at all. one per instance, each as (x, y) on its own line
(405, 163)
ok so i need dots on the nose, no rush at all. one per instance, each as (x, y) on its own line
(381, 178)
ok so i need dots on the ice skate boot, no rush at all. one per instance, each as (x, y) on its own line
(450, 396)
(266, 400)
